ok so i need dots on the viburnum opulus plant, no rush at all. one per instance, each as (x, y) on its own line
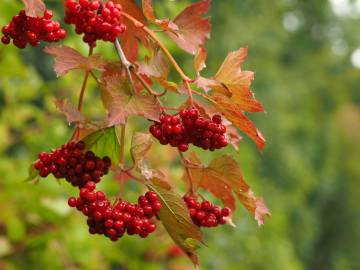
(214, 111)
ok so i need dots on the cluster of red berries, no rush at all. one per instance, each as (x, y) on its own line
(70, 162)
(189, 127)
(206, 214)
(114, 220)
(95, 20)
(24, 29)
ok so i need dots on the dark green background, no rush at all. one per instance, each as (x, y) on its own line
(309, 172)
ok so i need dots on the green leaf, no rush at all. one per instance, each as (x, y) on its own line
(104, 142)
(140, 145)
(33, 173)
(176, 219)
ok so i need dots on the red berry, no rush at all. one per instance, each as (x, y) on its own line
(72, 202)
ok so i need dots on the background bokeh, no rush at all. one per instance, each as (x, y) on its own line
(306, 57)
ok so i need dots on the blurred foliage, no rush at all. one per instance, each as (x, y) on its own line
(308, 172)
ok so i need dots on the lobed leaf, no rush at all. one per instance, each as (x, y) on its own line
(67, 59)
(140, 145)
(104, 142)
(149, 13)
(175, 217)
(193, 29)
(34, 8)
(134, 34)
(224, 179)
(121, 103)
(157, 66)
(72, 114)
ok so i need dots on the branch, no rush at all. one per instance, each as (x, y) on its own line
(125, 62)
(151, 33)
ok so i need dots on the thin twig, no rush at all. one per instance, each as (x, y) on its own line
(188, 173)
(151, 33)
(126, 63)
(147, 86)
(122, 145)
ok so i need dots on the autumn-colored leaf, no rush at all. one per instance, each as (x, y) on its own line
(149, 13)
(140, 145)
(199, 60)
(157, 66)
(34, 8)
(134, 33)
(224, 179)
(175, 217)
(67, 59)
(104, 142)
(193, 29)
(234, 114)
(120, 102)
(153, 176)
(72, 114)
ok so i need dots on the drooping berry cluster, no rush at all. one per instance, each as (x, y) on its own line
(70, 162)
(25, 30)
(95, 20)
(189, 127)
(206, 214)
(114, 220)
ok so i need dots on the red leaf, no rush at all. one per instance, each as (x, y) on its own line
(72, 114)
(193, 29)
(121, 103)
(34, 8)
(133, 34)
(67, 59)
(224, 179)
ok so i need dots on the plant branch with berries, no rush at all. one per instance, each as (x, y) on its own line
(212, 117)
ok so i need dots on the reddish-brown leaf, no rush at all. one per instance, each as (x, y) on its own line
(193, 29)
(67, 59)
(134, 33)
(233, 112)
(72, 114)
(157, 65)
(199, 60)
(120, 102)
(34, 8)
(149, 13)
(224, 179)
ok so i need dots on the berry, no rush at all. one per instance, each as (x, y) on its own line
(76, 167)
(189, 127)
(23, 30)
(95, 20)
(206, 214)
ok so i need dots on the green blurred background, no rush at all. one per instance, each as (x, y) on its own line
(306, 57)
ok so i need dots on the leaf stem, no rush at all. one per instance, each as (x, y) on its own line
(151, 33)
(188, 173)
(122, 144)
(83, 86)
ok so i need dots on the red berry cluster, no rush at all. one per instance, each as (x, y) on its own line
(95, 20)
(189, 127)
(205, 214)
(114, 220)
(24, 29)
(70, 162)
